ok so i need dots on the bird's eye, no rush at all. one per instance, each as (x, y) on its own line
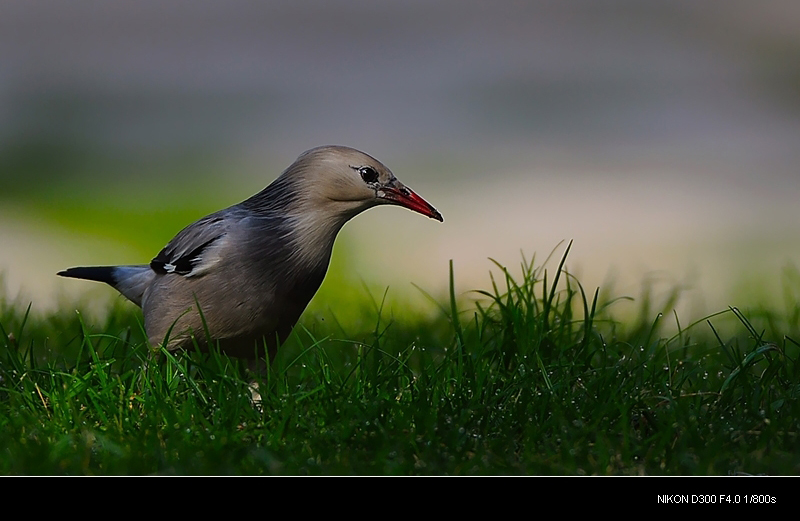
(368, 174)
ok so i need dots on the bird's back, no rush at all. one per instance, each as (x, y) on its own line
(248, 289)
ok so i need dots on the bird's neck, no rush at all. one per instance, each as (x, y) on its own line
(313, 231)
(274, 200)
(312, 220)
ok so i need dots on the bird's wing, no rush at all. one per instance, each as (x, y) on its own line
(196, 248)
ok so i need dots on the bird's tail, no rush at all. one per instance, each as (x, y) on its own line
(131, 281)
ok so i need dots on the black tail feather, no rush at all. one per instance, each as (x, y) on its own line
(98, 273)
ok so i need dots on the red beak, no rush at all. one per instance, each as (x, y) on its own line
(404, 196)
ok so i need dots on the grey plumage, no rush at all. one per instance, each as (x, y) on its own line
(253, 267)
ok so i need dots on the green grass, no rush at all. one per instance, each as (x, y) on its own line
(532, 376)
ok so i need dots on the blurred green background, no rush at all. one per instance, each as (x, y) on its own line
(663, 137)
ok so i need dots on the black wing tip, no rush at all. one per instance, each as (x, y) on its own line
(157, 265)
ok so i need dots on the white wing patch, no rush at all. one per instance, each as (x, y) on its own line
(196, 248)
(208, 258)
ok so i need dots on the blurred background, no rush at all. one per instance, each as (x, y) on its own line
(662, 137)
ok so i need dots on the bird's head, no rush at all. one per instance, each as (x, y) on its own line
(348, 181)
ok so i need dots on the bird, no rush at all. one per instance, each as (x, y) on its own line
(241, 277)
